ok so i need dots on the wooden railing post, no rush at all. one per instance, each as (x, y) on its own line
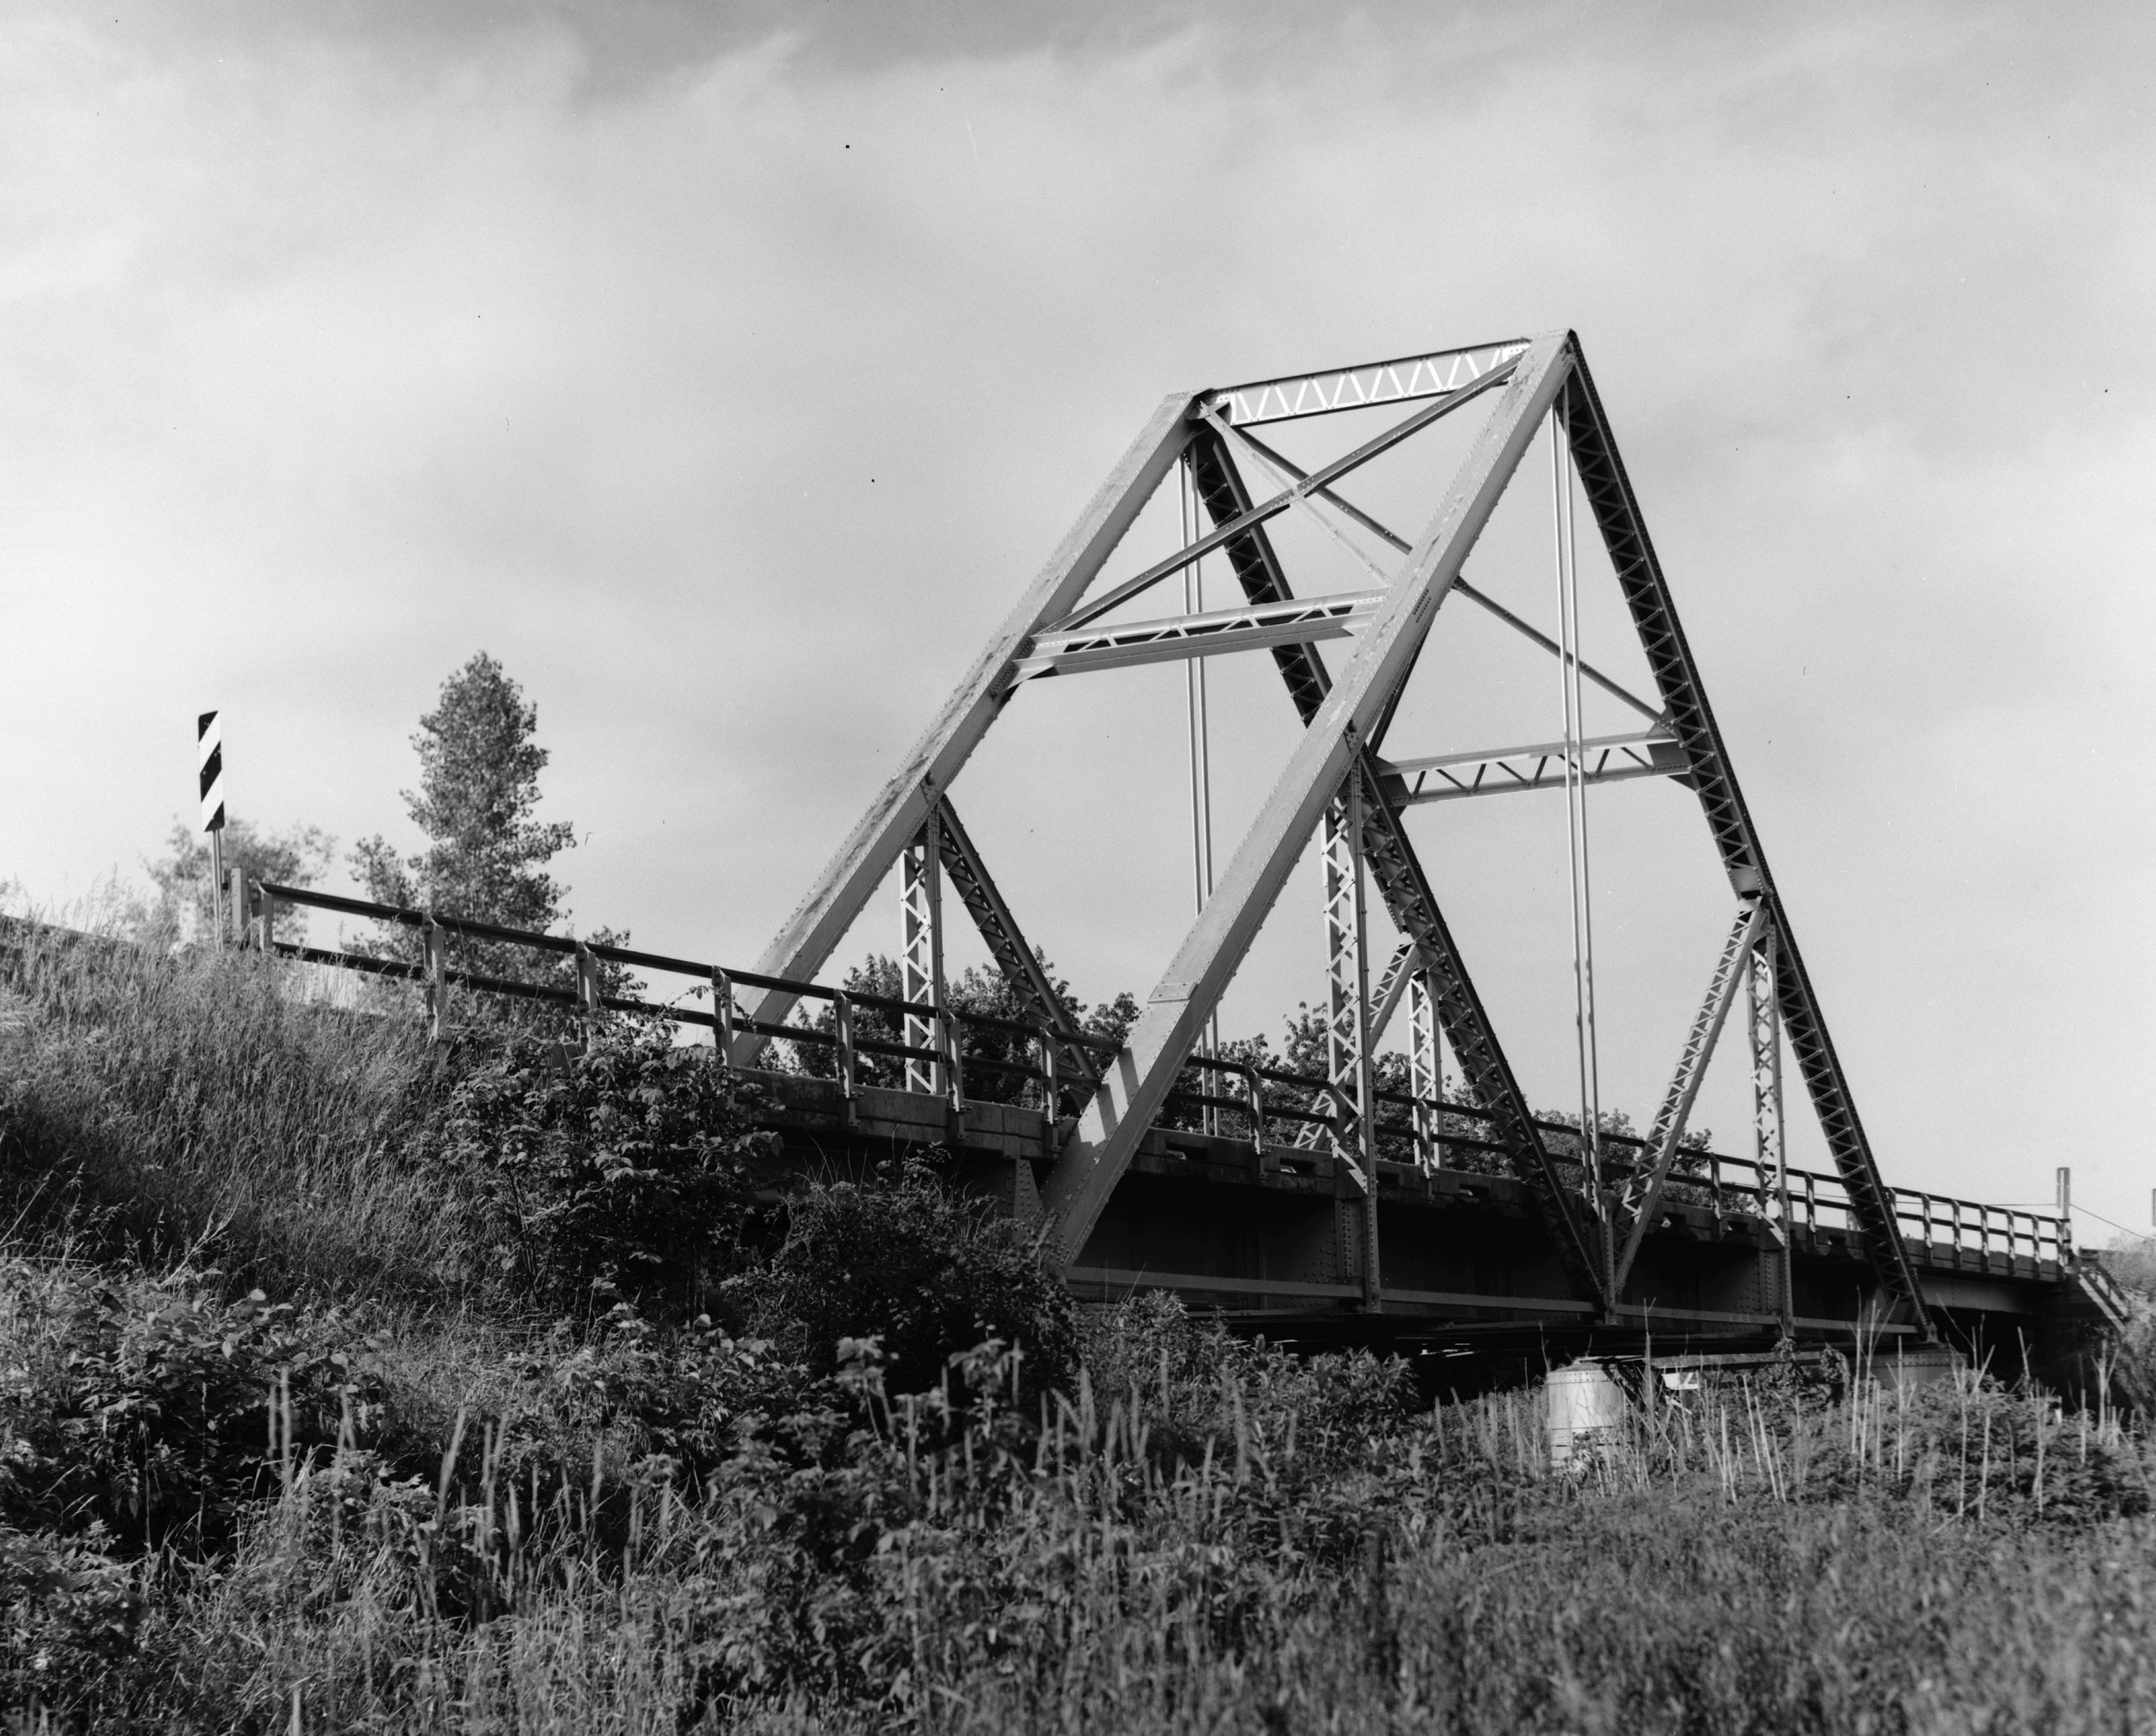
(588, 995)
(722, 1016)
(1051, 1081)
(842, 1020)
(438, 983)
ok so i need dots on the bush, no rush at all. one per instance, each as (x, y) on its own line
(623, 1170)
(158, 1412)
(904, 1259)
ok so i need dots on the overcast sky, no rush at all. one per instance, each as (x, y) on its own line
(726, 377)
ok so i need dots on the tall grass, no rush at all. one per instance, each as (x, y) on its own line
(1956, 1559)
(217, 1514)
(190, 1106)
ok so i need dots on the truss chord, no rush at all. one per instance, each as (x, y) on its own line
(1374, 382)
(1609, 495)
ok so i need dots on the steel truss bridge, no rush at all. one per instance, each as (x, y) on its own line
(1447, 1220)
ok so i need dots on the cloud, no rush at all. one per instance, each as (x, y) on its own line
(727, 371)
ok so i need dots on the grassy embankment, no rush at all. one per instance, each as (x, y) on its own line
(292, 1439)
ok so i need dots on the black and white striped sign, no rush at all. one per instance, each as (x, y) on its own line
(209, 762)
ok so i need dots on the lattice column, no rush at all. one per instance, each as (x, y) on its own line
(1348, 1037)
(1767, 1144)
(1425, 1072)
(920, 965)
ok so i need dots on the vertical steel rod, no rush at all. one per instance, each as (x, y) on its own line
(1575, 824)
(1366, 1082)
(1201, 769)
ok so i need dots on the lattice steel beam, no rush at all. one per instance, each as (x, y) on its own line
(1214, 633)
(1354, 388)
(1603, 759)
(1769, 1147)
(1425, 1072)
(968, 877)
(921, 959)
(1348, 1040)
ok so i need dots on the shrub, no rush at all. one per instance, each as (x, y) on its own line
(158, 1412)
(903, 1258)
(624, 1169)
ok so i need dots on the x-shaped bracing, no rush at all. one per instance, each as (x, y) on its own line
(1054, 629)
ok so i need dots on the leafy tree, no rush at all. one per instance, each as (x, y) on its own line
(479, 791)
(297, 856)
(488, 852)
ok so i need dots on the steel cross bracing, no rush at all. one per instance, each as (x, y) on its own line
(968, 877)
(1054, 627)
(1640, 1198)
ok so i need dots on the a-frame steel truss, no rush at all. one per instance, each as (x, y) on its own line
(1336, 784)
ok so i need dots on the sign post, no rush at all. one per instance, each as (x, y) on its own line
(210, 768)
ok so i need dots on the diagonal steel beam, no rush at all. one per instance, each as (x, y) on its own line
(1257, 566)
(1608, 491)
(1642, 1195)
(849, 879)
(967, 876)
(1139, 1079)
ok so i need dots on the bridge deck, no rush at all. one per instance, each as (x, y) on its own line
(1252, 1234)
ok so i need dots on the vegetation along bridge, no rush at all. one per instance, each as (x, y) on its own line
(1426, 1206)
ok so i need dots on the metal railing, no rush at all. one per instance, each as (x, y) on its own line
(1417, 1138)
